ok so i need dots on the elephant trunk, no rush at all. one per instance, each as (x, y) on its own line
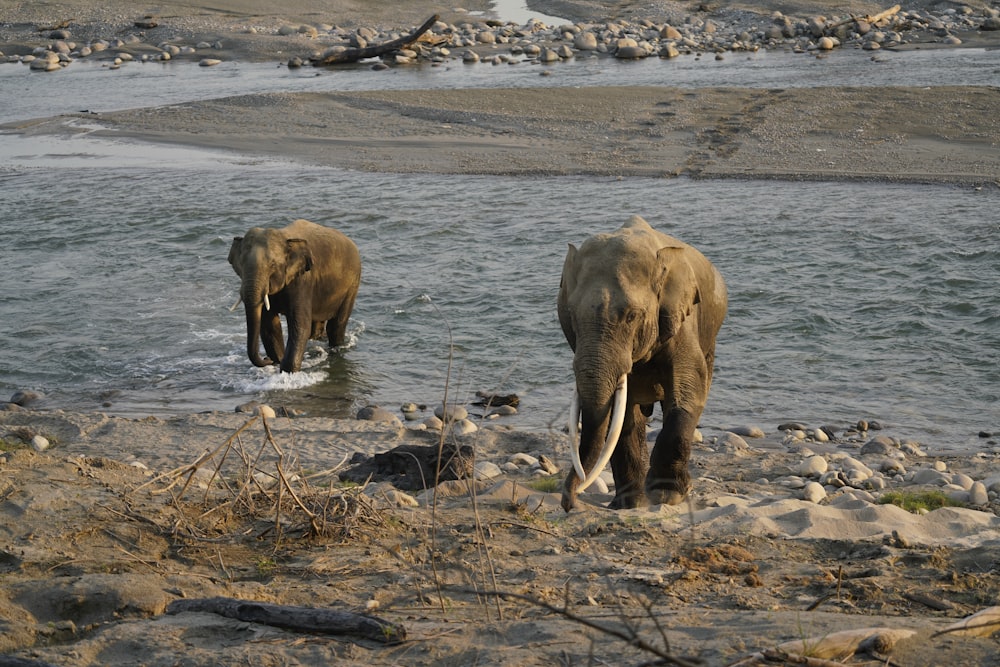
(255, 302)
(596, 423)
(600, 397)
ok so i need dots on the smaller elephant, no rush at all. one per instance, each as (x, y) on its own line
(306, 272)
(641, 311)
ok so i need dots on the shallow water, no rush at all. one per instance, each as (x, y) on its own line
(87, 85)
(846, 300)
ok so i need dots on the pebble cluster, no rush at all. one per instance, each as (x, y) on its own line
(497, 42)
(881, 464)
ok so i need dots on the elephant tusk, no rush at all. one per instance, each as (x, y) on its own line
(236, 305)
(267, 303)
(614, 431)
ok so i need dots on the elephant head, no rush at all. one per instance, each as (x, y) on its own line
(267, 262)
(630, 307)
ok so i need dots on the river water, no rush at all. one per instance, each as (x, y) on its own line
(847, 300)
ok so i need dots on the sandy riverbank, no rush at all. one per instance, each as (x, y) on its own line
(113, 523)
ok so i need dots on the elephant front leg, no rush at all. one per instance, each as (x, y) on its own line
(668, 480)
(629, 461)
(271, 336)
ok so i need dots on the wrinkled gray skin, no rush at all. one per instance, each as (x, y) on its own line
(310, 274)
(640, 302)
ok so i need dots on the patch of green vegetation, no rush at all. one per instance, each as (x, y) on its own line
(918, 501)
(9, 445)
(549, 484)
(266, 566)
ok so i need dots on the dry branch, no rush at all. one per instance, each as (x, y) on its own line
(983, 623)
(354, 55)
(872, 19)
(300, 619)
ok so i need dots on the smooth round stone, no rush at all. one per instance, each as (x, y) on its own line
(523, 460)
(978, 495)
(450, 412)
(631, 52)
(208, 62)
(376, 414)
(732, 444)
(463, 427)
(892, 467)
(40, 443)
(962, 480)
(940, 466)
(878, 446)
(265, 411)
(814, 466)
(748, 431)
(819, 435)
(930, 476)
(848, 463)
(26, 397)
(585, 41)
(813, 492)
(433, 423)
(487, 470)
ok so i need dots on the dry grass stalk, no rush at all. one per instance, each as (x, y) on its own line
(251, 491)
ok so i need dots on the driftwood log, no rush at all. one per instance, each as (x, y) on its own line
(353, 55)
(301, 619)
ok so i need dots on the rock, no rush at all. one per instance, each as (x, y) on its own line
(929, 476)
(376, 414)
(390, 495)
(826, 43)
(814, 466)
(39, 443)
(631, 52)
(208, 62)
(879, 445)
(265, 411)
(819, 435)
(892, 466)
(450, 412)
(487, 470)
(748, 431)
(978, 496)
(26, 397)
(522, 460)
(598, 486)
(463, 427)
(732, 444)
(585, 41)
(962, 480)
(434, 423)
(813, 492)
(791, 426)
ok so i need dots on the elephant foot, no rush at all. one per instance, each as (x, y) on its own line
(627, 501)
(668, 491)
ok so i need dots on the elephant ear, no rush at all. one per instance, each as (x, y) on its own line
(234, 255)
(679, 291)
(298, 259)
(566, 286)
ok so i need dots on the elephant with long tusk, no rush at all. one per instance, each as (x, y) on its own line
(641, 311)
(306, 272)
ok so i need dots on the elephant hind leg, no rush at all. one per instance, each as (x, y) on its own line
(317, 330)
(336, 327)
(629, 461)
(668, 480)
